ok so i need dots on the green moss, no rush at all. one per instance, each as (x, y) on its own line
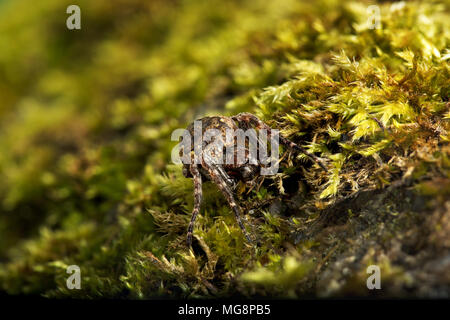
(86, 119)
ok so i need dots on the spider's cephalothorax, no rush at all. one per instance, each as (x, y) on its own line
(225, 175)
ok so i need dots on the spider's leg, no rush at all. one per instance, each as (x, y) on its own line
(259, 124)
(197, 200)
(230, 182)
(225, 189)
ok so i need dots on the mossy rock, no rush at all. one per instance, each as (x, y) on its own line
(87, 115)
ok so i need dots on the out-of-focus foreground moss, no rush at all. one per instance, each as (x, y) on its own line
(85, 170)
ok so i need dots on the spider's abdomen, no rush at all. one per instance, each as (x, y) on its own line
(223, 124)
(230, 154)
(220, 123)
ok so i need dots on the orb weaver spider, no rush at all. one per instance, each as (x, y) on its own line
(225, 176)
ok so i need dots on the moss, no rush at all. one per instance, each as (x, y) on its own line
(86, 119)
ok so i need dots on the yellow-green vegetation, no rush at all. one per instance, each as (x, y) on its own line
(85, 163)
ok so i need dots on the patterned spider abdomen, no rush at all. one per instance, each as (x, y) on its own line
(226, 128)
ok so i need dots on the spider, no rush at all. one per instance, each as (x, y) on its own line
(226, 176)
